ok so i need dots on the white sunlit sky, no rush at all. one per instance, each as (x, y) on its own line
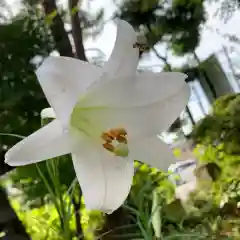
(211, 42)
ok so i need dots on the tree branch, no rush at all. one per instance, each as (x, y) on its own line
(164, 59)
(59, 33)
(9, 222)
(77, 30)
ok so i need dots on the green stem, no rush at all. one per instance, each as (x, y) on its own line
(49, 189)
(116, 229)
(54, 175)
(12, 135)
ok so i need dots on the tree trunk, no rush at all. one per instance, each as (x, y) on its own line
(9, 222)
(77, 30)
(10, 225)
(59, 33)
(4, 168)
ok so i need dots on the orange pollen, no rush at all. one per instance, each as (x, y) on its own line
(108, 146)
(121, 139)
(118, 131)
(118, 134)
(107, 137)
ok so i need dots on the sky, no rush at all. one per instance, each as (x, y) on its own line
(210, 42)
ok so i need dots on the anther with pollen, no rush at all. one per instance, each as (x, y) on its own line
(115, 140)
(109, 147)
(121, 139)
(117, 132)
(107, 137)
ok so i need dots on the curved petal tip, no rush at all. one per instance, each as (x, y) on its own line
(122, 23)
(7, 159)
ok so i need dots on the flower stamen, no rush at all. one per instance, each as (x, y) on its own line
(121, 139)
(116, 141)
(109, 147)
(107, 137)
(115, 132)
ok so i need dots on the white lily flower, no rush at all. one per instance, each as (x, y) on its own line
(105, 117)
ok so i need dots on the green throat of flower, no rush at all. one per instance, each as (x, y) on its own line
(114, 140)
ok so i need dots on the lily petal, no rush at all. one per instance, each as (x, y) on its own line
(48, 142)
(105, 179)
(124, 57)
(136, 90)
(152, 151)
(63, 80)
(139, 121)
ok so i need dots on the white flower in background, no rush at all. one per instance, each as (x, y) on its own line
(105, 117)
